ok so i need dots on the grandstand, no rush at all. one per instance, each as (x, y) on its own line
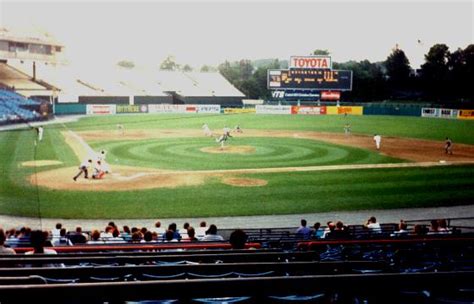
(360, 268)
(16, 108)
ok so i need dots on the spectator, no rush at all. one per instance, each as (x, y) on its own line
(191, 235)
(237, 239)
(38, 241)
(78, 237)
(330, 227)
(148, 237)
(62, 240)
(55, 233)
(443, 226)
(169, 236)
(339, 232)
(137, 237)
(126, 234)
(211, 235)
(95, 238)
(3, 249)
(201, 231)
(373, 226)
(176, 235)
(402, 229)
(115, 237)
(435, 228)
(158, 229)
(419, 230)
(107, 234)
(318, 233)
(303, 231)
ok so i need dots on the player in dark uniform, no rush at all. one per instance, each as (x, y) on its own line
(448, 146)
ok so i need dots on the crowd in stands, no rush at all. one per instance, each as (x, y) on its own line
(112, 234)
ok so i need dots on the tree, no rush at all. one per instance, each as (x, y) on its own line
(169, 64)
(398, 69)
(126, 64)
(434, 72)
(319, 52)
(207, 68)
(187, 68)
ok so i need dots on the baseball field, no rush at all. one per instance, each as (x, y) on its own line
(164, 166)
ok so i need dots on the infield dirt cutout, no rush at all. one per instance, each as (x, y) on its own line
(421, 153)
(229, 149)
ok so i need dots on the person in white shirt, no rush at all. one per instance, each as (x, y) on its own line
(207, 131)
(84, 167)
(378, 141)
(373, 226)
(211, 235)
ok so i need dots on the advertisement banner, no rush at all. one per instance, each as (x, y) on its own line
(344, 110)
(238, 110)
(309, 79)
(167, 108)
(296, 95)
(466, 114)
(208, 109)
(96, 109)
(310, 62)
(131, 109)
(263, 109)
(308, 110)
(330, 96)
(429, 112)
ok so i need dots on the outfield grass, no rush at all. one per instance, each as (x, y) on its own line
(285, 193)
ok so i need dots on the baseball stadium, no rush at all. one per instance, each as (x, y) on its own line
(388, 184)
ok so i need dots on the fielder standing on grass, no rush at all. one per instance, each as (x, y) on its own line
(378, 141)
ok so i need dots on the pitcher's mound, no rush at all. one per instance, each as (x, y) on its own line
(244, 182)
(230, 149)
(40, 163)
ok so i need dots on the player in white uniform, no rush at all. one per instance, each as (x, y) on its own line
(206, 130)
(378, 141)
(224, 137)
(100, 157)
(84, 167)
(40, 133)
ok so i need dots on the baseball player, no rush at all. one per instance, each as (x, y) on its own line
(238, 129)
(120, 129)
(378, 141)
(448, 146)
(207, 131)
(101, 157)
(98, 172)
(84, 168)
(347, 129)
(223, 138)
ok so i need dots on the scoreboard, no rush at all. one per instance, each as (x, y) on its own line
(310, 79)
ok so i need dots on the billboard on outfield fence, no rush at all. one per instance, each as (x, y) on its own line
(239, 110)
(309, 79)
(131, 109)
(466, 114)
(308, 110)
(208, 109)
(264, 109)
(334, 110)
(98, 109)
(439, 113)
(166, 108)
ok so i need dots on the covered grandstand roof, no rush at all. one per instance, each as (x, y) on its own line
(19, 81)
(117, 81)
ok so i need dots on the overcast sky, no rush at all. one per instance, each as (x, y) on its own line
(209, 32)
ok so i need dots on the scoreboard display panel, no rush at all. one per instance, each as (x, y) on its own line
(310, 79)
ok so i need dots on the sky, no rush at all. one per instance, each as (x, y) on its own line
(210, 32)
